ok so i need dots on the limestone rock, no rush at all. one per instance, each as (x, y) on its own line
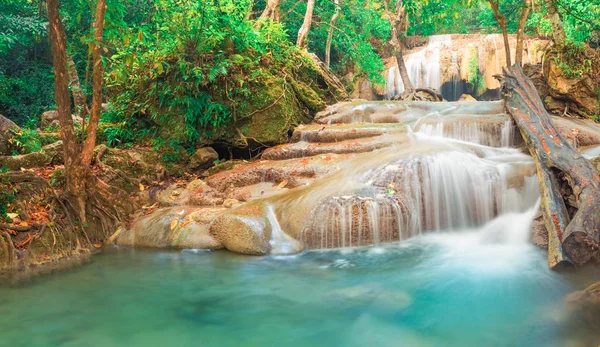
(539, 234)
(579, 94)
(229, 203)
(6, 125)
(51, 153)
(50, 118)
(177, 227)
(467, 98)
(585, 304)
(203, 158)
(243, 230)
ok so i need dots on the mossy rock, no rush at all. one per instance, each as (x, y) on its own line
(309, 97)
(276, 110)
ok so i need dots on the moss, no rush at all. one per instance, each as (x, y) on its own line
(276, 111)
(308, 97)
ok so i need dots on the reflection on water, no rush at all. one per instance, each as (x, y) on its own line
(452, 289)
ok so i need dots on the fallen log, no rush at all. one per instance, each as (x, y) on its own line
(573, 230)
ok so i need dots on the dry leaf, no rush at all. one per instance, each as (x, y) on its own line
(141, 187)
(174, 223)
(282, 184)
(24, 224)
(181, 212)
(12, 215)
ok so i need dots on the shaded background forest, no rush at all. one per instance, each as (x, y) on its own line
(208, 63)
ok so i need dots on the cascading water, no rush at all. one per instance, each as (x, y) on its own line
(424, 68)
(457, 171)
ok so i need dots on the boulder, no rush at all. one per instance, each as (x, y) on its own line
(539, 234)
(203, 158)
(244, 231)
(5, 135)
(50, 119)
(176, 227)
(49, 154)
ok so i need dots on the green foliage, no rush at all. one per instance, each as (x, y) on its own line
(26, 141)
(195, 69)
(57, 178)
(575, 61)
(26, 80)
(475, 79)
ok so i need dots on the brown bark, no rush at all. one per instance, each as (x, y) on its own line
(97, 81)
(334, 18)
(302, 41)
(495, 5)
(79, 98)
(521, 31)
(271, 11)
(572, 239)
(558, 31)
(61, 91)
(397, 23)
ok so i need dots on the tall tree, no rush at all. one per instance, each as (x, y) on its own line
(501, 18)
(302, 41)
(272, 10)
(334, 18)
(77, 157)
(398, 23)
(559, 36)
(521, 31)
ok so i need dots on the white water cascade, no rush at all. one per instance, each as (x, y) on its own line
(424, 69)
(458, 172)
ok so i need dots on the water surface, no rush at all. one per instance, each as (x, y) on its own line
(438, 290)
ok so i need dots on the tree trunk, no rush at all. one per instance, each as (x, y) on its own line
(399, 22)
(558, 31)
(97, 81)
(572, 239)
(334, 18)
(79, 98)
(302, 41)
(521, 31)
(502, 22)
(272, 11)
(63, 103)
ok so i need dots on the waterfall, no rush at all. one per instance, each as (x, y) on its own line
(423, 67)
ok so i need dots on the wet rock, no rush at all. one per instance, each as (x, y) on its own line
(245, 230)
(539, 234)
(229, 203)
(467, 98)
(224, 166)
(585, 304)
(203, 158)
(179, 227)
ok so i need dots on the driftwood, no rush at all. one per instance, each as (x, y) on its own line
(573, 224)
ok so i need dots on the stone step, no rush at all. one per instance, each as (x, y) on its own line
(308, 149)
(342, 132)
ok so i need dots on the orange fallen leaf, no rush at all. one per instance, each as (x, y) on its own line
(282, 184)
(174, 223)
